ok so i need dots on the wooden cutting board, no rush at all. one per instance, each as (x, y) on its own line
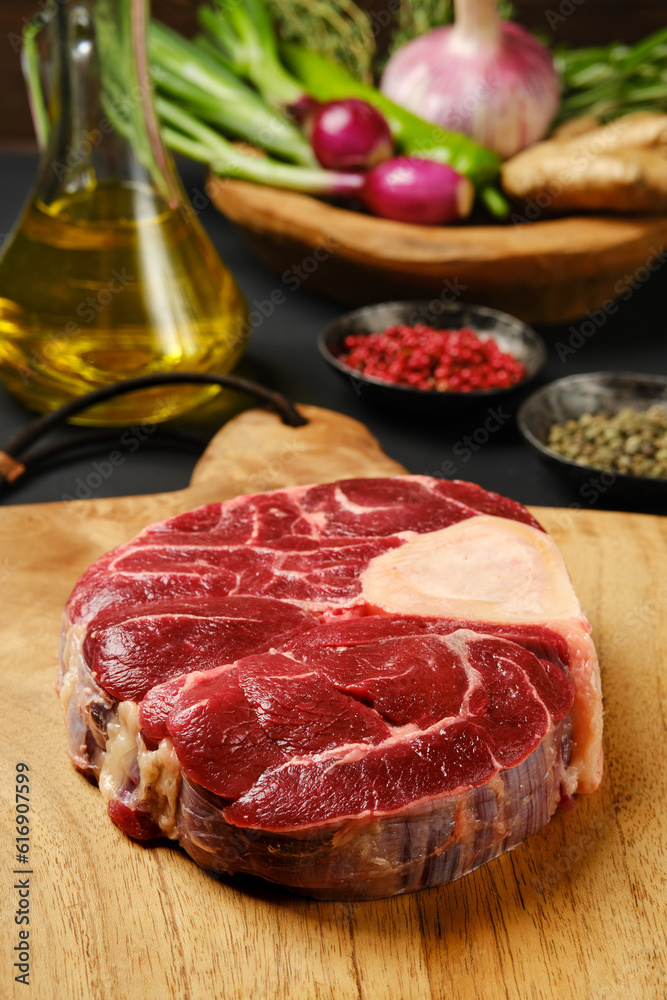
(579, 911)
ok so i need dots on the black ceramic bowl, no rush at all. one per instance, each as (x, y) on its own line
(598, 392)
(509, 333)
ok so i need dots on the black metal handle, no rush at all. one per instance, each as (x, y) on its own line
(11, 468)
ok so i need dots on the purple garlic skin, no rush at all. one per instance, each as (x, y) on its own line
(501, 90)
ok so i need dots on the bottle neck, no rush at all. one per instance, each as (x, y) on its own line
(103, 123)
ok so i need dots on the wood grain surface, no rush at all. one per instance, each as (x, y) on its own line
(548, 271)
(578, 911)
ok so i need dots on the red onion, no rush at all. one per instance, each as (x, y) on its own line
(350, 135)
(483, 76)
(422, 191)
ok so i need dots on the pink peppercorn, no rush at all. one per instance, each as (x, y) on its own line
(424, 358)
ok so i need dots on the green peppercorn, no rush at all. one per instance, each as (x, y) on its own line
(629, 442)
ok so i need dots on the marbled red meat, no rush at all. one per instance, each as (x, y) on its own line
(129, 656)
(396, 722)
(308, 544)
(353, 689)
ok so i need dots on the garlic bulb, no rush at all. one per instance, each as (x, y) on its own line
(483, 76)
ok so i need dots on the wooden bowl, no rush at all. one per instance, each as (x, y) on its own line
(542, 272)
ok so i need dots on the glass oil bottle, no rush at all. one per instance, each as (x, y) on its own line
(109, 274)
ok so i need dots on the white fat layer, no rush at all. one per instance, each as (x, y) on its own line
(73, 671)
(159, 770)
(77, 689)
(67, 686)
(485, 568)
(121, 750)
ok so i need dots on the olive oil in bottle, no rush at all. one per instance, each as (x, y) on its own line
(109, 274)
(110, 284)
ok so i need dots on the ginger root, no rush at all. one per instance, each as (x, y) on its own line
(618, 167)
(573, 128)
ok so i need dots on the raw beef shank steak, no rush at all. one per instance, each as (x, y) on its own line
(354, 689)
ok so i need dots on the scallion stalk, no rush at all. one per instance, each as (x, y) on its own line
(215, 94)
(244, 34)
(186, 134)
(31, 70)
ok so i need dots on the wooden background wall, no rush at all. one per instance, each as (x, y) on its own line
(590, 22)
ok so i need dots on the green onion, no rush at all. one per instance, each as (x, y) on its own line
(30, 60)
(205, 87)
(186, 134)
(244, 34)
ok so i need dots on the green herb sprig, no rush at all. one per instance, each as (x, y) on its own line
(612, 80)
